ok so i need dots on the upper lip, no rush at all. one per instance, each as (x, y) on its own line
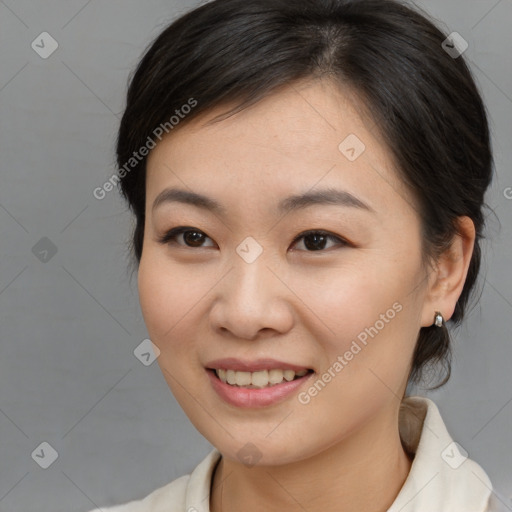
(231, 363)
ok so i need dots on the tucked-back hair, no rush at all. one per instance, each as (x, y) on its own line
(424, 101)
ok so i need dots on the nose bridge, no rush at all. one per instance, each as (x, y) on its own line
(252, 298)
(252, 277)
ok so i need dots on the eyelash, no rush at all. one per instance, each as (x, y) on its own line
(169, 238)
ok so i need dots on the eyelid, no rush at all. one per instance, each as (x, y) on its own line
(170, 236)
(322, 232)
(172, 233)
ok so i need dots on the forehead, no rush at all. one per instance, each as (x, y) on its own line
(306, 135)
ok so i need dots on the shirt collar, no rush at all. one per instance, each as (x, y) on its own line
(442, 477)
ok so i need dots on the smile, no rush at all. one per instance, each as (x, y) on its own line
(256, 384)
(260, 379)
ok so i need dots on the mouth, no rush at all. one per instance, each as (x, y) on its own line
(258, 383)
(259, 379)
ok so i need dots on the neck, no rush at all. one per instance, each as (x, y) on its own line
(364, 471)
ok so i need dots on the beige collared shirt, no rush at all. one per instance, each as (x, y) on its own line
(441, 479)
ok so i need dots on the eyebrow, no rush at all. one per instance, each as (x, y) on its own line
(329, 196)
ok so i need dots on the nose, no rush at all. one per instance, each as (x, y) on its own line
(252, 301)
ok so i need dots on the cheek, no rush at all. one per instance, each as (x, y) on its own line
(167, 302)
(347, 299)
(367, 316)
(152, 294)
(163, 297)
(173, 299)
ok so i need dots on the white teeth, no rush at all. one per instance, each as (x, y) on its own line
(243, 378)
(231, 377)
(260, 379)
(275, 376)
(289, 375)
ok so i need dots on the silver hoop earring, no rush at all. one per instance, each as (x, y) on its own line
(438, 319)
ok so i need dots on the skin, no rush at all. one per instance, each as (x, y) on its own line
(200, 302)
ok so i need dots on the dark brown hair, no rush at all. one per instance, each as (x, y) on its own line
(424, 102)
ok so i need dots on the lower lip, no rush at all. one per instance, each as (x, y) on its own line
(253, 398)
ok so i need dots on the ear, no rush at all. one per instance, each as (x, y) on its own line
(446, 280)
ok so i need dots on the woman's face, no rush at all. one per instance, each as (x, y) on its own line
(252, 288)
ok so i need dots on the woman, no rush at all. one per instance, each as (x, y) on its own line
(307, 179)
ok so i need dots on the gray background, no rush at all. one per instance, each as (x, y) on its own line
(70, 325)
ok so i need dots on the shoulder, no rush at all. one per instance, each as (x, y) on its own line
(497, 503)
(168, 498)
(442, 476)
(178, 495)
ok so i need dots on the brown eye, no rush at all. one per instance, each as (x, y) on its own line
(192, 237)
(315, 241)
